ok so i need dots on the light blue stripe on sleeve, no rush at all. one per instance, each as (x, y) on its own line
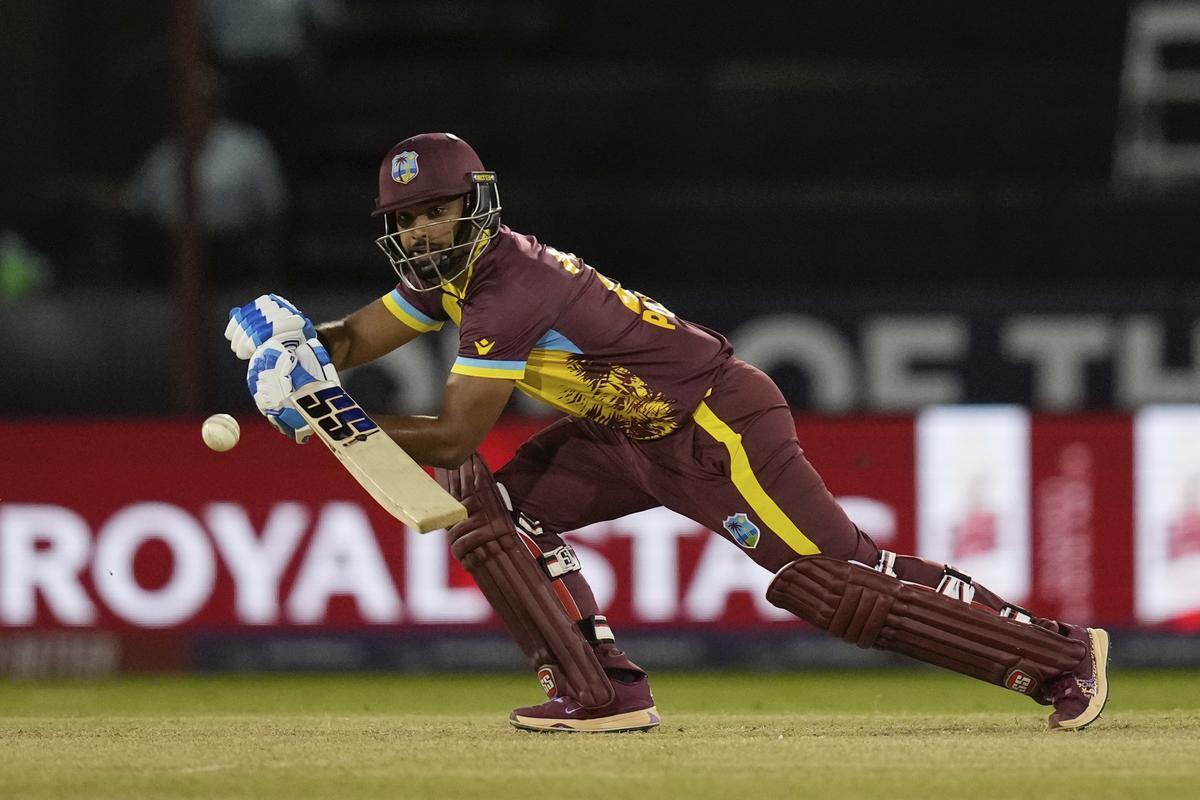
(553, 340)
(412, 310)
(515, 366)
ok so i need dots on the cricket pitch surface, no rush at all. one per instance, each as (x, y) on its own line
(893, 735)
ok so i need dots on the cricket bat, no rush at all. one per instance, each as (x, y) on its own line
(389, 474)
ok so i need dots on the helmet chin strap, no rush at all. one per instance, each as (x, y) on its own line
(427, 271)
(457, 260)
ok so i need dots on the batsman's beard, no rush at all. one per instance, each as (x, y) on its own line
(438, 267)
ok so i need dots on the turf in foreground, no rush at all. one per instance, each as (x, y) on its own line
(847, 735)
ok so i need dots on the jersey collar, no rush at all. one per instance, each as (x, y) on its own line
(483, 251)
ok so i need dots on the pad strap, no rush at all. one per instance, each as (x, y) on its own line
(872, 609)
(1014, 611)
(595, 629)
(560, 561)
(515, 583)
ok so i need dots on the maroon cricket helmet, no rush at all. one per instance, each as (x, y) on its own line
(426, 167)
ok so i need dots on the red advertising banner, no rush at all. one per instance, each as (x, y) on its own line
(135, 527)
(1082, 518)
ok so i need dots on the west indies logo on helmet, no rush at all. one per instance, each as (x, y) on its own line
(404, 167)
(449, 169)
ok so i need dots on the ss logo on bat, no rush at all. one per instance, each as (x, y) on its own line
(337, 414)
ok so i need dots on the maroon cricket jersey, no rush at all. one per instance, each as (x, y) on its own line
(571, 337)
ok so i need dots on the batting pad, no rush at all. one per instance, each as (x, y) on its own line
(519, 589)
(871, 609)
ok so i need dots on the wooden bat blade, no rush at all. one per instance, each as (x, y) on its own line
(380, 465)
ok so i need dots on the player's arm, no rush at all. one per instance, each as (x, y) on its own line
(470, 407)
(365, 335)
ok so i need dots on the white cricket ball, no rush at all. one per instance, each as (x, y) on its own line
(220, 432)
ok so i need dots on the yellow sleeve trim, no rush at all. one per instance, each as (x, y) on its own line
(409, 315)
(744, 479)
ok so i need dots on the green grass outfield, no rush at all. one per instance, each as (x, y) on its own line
(807, 735)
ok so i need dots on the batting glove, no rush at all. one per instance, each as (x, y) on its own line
(267, 317)
(276, 370)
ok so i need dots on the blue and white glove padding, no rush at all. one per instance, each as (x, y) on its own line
(276, 370)
(268, 317)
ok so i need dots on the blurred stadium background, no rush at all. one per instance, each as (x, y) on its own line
(962, 237)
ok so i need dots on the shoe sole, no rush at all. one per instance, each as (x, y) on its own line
(1100, 651)
(642, 720)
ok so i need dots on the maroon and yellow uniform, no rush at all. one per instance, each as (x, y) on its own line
(661, 413)
(571, 337)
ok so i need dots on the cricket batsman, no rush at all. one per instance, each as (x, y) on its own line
(658, 411)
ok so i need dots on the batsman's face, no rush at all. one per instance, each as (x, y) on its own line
(429, 227)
